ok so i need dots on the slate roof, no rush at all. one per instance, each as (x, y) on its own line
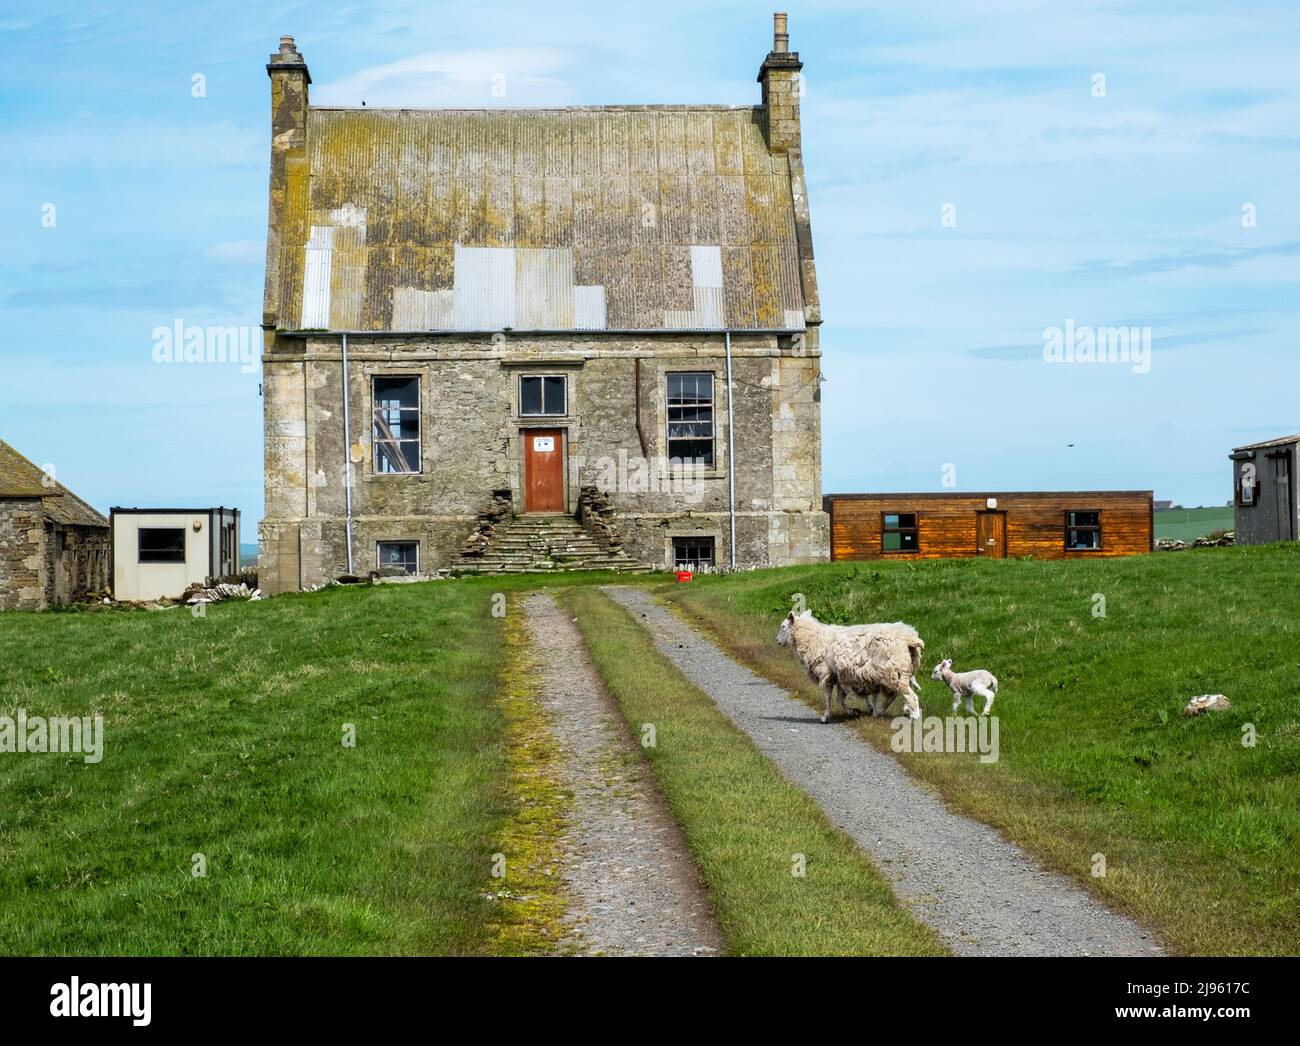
(617, 218)
(1281, 441)
(19, 478)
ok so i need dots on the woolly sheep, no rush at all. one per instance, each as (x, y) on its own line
(964, 684)
(874, 661)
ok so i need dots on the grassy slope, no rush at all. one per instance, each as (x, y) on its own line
(742, 820)
(1201, 835)
(1188, 524)
(223, 737)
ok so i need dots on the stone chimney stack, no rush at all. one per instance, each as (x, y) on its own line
(289, 79)
(782, 85)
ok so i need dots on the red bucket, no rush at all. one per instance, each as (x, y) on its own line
(684, 575)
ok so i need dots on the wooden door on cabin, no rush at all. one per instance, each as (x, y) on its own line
(991, 534)
(543, 470)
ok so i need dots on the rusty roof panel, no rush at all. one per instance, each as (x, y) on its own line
(539, 219)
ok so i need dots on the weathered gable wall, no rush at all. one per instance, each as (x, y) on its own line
(22, 554)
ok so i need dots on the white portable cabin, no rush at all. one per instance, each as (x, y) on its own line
(159, 553)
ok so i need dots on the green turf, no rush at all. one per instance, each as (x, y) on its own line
(1188, 524)
(223, 737)
(746, 825)
(1201, 835)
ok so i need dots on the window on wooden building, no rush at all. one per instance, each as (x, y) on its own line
(690, 418)
(161, 544)
(404, 555)
(540, 395)
(693, 553)
(397, 424)
(1083, 530)
(899, 532)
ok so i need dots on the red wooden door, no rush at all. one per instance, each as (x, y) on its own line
(543, 470)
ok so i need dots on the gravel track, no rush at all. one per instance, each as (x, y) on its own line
(634, 887)
(982, 894)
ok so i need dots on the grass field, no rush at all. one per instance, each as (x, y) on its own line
(1200, 834)
(742, 820)
(224, 738)
(1188, 524)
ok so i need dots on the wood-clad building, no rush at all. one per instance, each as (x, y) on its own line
(1042, 524)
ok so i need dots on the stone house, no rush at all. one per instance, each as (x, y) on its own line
(54, 548)
(605, 317)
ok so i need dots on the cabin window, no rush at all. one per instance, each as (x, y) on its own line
(544, 396)
(1247, 488)
(693, 553)
(1083, 531)
(404, 555)
(161, 544)
(899, 532)
(397, 424)
(690, 418)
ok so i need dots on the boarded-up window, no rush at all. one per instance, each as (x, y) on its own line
(161, 544)
(899, 532)
(397, 424)
(1083, 531)
(690, 418)
(400, 555)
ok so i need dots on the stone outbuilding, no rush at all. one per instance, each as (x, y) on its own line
(54, 548)
(481, 315)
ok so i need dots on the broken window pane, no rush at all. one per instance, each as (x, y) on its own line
(403, 555)
(690, 417)
(397, 424)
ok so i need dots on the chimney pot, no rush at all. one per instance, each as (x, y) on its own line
(287, 45)
(781, 33)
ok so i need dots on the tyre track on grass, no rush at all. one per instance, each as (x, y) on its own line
(982, 894)
(634, 887)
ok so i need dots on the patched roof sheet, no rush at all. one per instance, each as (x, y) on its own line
(619, 218)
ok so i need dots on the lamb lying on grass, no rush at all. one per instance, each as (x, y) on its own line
(877, 662)
(965, 684)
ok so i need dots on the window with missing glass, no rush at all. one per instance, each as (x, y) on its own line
(542, 395)
(161, 544)
(690, 417)
(1083, 530)
(692, 553)
(899, 532)
(400, 555)
(397, 424)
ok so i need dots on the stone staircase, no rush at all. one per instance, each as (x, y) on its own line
(547, 543)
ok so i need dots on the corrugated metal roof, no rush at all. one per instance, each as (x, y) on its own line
(556, 219)
(1281, 441)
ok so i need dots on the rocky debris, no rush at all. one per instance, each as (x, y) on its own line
(501, 510)
(219, 593)
(597, 515)
(1207, 703)
(1224, 539)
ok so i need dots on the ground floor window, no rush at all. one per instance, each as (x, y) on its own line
(403, 555)
(899, 532)
(161, 544)
(1083, 530)
(693, 553)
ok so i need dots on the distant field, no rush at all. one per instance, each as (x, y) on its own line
(1187, 524)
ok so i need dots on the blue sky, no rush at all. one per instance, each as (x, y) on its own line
(1119, 209)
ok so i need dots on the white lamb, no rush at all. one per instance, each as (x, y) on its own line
(965, 684)
(877, 662)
